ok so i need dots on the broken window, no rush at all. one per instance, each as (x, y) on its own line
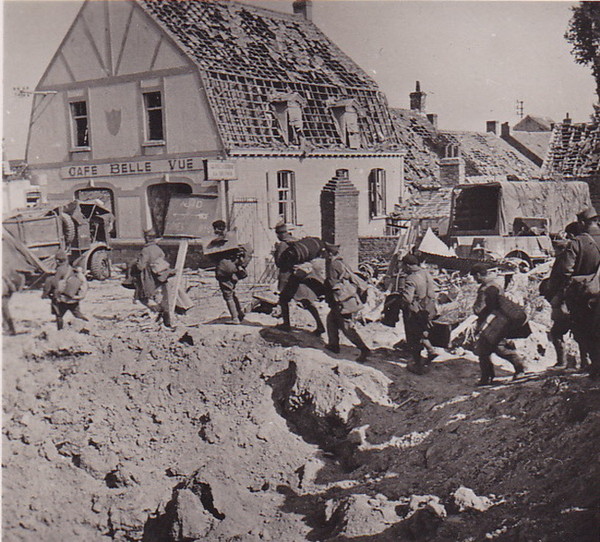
(345, 113)
(376, 193)
(286, 196)
(80, 124)
(154, 116)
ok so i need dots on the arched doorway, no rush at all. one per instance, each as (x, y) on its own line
(159, 196)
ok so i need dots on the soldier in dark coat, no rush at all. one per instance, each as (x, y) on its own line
(65, 289)
(304, 286)
(344, 302)
(229, 271)
(494, 325)
(417, 300)
(581, 257)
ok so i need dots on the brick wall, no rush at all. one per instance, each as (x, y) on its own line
(594, 184)
(339, 217)
(371, 248)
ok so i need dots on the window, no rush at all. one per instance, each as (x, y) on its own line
(286, 196)
(346, 113)
(377, 192)
(287, 110)
(154, 116)
(79, 116)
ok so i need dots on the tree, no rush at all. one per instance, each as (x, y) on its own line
(584, 34)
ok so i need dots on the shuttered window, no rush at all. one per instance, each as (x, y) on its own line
(377, 193)
(154, 116)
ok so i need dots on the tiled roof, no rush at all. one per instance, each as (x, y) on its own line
(543, 123)
(487, 154)
(536, 142)
(574, 151)
(418, 136)
(425, 204)
(248, 54)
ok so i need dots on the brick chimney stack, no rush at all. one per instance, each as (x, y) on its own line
(505, 130)
(567, 119)
(417, 99)
(303, 8)
(491, 126)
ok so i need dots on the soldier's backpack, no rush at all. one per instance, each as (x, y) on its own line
(582, 288)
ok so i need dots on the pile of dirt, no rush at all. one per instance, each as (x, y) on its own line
(118, 429)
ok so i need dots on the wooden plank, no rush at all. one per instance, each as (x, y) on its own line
(181, 254)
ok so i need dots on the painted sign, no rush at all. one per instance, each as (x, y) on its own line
(191, 215)
(220, 170)
(132, 167)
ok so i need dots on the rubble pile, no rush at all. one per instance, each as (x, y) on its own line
(119, 430)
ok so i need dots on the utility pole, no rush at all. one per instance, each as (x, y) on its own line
(520, 108)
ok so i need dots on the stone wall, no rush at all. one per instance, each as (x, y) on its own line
(371, 248)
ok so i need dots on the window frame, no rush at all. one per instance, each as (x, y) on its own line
(377, 186)
(75, 131)
(148, 109)
(289, 214)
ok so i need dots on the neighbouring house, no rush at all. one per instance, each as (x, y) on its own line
(149, 98)
(574, 154)
(436, 160)
(17, 188)
(530, 136)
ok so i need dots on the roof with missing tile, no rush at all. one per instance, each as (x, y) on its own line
(574, 150)
(485, 154)
(536, 142)
(249, 55)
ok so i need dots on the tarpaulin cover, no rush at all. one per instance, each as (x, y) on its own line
(558, 201)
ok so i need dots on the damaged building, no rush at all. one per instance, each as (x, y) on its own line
(255, 108)
(574, 154)
(436, 160)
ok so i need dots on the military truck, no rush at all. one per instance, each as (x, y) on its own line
(513, 219)
(81, 228)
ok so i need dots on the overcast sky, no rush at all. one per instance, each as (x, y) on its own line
(474, 59)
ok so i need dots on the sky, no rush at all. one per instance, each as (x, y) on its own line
(474, 59)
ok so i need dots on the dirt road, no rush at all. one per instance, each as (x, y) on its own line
(118, 429)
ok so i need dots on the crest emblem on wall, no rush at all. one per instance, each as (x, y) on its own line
(113, 121)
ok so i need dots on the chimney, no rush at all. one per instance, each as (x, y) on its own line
(433, 118)
(567, 119)
(491, 126)
(303, 8)
(417, 99)
(505, 130)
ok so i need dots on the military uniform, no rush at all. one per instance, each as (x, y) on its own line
(417, 293)
(302, 286)
(582, 257)
(65, 289)
(495, 327)
(343, 300)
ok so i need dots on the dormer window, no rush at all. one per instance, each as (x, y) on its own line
(345, 113)
(287, 109)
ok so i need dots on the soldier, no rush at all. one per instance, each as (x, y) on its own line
(65, 289)
(12, 281)
(231, 267)
(344, 302)
(302, 285)
(580, 259)
(497, 318)
(417, 300)
(553, 290)
(150, 272)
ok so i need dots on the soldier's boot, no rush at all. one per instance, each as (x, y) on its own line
(60, 322)
(559, 346)
(233, 311)
(285, 314)
(78, 314)
(315, 314)
(9, 326)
